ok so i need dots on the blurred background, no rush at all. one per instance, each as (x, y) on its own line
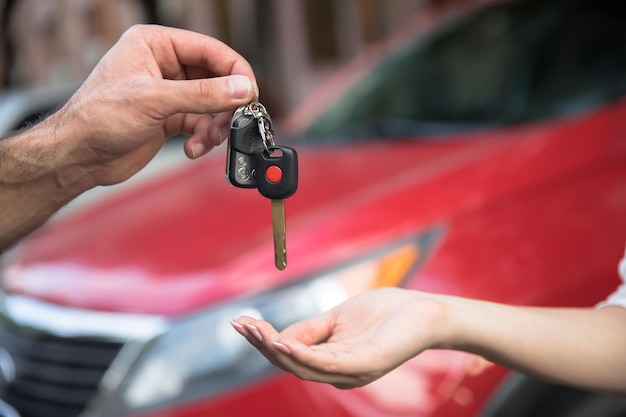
(49, 46)
(292, 44)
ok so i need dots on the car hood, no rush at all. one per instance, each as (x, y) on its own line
(188, 239)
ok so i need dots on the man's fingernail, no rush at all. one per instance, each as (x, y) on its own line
(197, 150)
(240, 86)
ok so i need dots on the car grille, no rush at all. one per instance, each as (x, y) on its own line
(54, 376)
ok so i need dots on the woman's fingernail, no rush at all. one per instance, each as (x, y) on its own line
(282, 348)
(240, 86)
(239, 328)
(255, 332)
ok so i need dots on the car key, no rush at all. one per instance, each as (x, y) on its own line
(252, 150)
(250, 129)
(277, 179)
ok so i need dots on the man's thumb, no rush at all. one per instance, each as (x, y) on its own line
(207, 95)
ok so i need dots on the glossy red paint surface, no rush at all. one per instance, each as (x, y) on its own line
(189, 239)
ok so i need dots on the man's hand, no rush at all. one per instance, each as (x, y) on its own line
(154, 83)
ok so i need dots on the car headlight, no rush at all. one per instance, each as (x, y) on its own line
(201, 355)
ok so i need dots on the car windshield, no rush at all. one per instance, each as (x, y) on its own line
(511, 63)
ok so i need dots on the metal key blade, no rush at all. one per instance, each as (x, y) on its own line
(280, 233)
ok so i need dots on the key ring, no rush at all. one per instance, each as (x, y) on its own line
(267, 135)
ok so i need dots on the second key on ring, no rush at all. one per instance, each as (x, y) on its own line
(277, 179)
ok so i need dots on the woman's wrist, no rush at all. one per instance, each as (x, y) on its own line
(434, 319)
(458, 323)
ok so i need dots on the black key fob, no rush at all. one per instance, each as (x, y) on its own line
(276, 171)
(244, 140)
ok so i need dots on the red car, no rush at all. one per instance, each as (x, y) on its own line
(479, 151)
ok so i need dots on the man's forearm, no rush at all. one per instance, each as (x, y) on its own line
(37, 177)
(583, 347)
